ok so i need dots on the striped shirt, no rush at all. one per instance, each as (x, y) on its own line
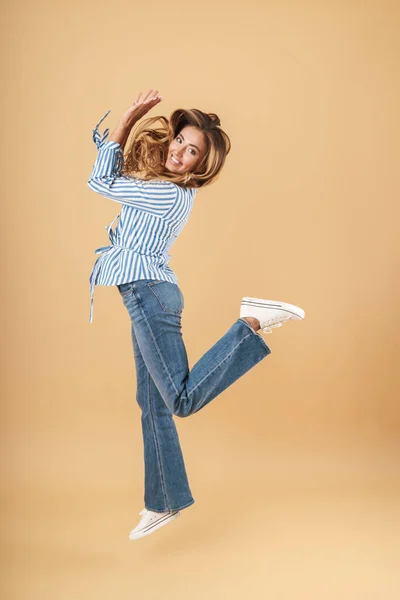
(152, 215)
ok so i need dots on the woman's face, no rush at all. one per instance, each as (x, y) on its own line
(186, 150)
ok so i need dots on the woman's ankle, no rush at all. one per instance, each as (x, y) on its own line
(255, 323)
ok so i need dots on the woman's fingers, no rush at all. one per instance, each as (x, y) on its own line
(150, 96)
(142, 104)
(154, 98)
(146, 95)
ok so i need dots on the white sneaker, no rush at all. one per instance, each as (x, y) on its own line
(270, 313)
(151, 521)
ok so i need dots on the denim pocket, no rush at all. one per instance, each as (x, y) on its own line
(169, 296)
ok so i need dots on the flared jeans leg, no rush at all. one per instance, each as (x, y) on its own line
(166, 485)
(155, 309)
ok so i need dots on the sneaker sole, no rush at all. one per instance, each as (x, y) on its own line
(295, 311)
(154, 526)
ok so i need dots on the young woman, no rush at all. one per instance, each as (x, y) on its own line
(155, 183)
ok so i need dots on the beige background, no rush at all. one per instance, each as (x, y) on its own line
(294, 468)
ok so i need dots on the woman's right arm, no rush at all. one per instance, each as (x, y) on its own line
(121, 133)
(139, 108)
(156, 197)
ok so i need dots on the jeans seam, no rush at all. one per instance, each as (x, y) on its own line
(164, 491)
(165, 308)
(218, 365)
(158, 352)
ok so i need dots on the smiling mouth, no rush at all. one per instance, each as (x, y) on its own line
(174, 161)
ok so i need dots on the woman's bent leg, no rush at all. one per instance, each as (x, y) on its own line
(155, 309)
(166, 485)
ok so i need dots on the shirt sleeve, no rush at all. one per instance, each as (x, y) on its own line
(155, 197)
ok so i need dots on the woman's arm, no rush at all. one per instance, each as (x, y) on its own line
(121, 132)
(135, 112)
(155, 197)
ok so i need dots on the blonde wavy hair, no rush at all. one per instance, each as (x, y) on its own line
(148, 149)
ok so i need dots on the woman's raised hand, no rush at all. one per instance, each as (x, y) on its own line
(141, 106)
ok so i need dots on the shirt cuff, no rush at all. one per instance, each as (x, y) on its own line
(101, 140)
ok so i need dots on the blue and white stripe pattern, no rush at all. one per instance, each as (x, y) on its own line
(152, 215)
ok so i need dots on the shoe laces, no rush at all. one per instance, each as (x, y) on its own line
(274, 322)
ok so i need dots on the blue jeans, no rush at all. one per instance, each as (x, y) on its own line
(166, 386)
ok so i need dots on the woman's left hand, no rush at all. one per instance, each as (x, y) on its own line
(141, 106)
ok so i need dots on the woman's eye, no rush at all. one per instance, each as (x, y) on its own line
(193, 152)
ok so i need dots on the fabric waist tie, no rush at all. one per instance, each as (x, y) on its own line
(102, 251)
